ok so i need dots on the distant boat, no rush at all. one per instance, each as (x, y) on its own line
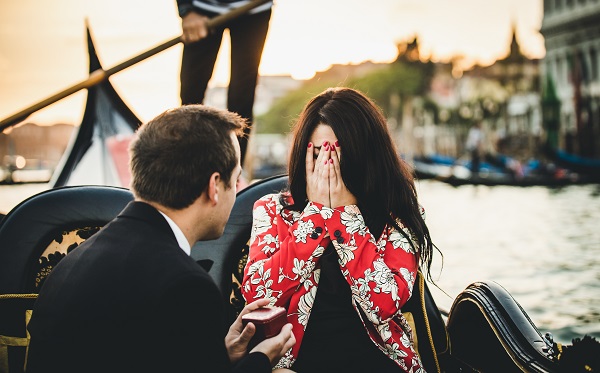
(583, 165)
(97, 152)
(494, 170)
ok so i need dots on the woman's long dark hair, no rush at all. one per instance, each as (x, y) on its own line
(370, 166)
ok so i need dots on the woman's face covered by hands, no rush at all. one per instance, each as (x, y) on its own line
(323, 176)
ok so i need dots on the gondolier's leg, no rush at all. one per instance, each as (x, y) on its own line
(248, 36)
(197, 64)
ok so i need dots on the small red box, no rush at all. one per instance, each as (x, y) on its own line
(268, 322)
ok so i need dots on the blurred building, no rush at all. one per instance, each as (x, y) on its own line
(509, 93)
(41, 146)
(515, 72)
(267, 154)
(571, 29)
(268, 89)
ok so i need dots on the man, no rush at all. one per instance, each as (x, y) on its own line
(247, 33)
(474, 145)
(130, 298)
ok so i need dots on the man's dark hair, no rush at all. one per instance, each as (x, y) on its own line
(174, 154)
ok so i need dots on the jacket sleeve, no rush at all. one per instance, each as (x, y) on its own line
(381, 274)
(282, 256)
(184, 7)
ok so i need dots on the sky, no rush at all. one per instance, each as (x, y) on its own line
(43, 45)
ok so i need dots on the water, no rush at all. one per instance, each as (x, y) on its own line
(541, 244)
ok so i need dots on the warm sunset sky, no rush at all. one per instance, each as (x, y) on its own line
(43, 51)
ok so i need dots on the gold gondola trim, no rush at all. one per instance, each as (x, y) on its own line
(6, 341)
(15, 296)
(424, 310)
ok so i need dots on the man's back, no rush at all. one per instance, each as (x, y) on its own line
(134, 301)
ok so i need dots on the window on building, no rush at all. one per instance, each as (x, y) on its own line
(594, 63)
(568, 68)
(581, 66)
(559, 70)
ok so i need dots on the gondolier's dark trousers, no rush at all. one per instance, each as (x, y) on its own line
(248, 35)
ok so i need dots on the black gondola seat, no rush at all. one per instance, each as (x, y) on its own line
(490, 332)
(34, 237)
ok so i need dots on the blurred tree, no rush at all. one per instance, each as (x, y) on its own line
(387, 86)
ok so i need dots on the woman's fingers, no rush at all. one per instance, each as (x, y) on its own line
(325, 155)
(317, 178)
(310, 161)
(335, 177)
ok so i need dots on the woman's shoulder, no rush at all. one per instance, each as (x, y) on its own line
(284, 196)
(279, 199)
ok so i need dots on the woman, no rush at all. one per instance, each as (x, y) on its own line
(341, 248)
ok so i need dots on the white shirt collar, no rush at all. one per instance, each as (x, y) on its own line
(181, 240)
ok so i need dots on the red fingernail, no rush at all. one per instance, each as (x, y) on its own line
(326, 147)
(330, 160)
(325, 143)
(337, 144)
(309, 144)
(325, 162)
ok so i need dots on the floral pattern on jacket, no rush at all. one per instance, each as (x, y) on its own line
(285, 249)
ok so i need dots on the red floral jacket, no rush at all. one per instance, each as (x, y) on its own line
(285, 247)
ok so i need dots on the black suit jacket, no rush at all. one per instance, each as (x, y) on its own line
(130, 300)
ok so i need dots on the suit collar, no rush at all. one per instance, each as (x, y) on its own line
(142, 211)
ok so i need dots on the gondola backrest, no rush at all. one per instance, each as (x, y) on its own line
(225, 257)
(42, 229)
(491, 332)
(34, 237)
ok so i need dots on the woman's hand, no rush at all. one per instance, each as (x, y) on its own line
(339, 195)
(317, 174)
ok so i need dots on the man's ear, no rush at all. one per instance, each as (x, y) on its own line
(213, 190)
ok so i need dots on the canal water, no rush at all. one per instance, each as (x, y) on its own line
(541, 244)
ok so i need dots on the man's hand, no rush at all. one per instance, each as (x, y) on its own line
(238, 337)
(194, 27)
(276, 347)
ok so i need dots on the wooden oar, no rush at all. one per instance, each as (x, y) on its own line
(98, 76)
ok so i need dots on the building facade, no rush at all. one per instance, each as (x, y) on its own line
(571, 68)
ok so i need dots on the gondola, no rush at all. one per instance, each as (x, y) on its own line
(583, 165)
(485, 329)
(92, 154)
(495, 170)
(95, 153)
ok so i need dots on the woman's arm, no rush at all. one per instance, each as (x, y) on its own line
(282, 256)
(381, 274)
